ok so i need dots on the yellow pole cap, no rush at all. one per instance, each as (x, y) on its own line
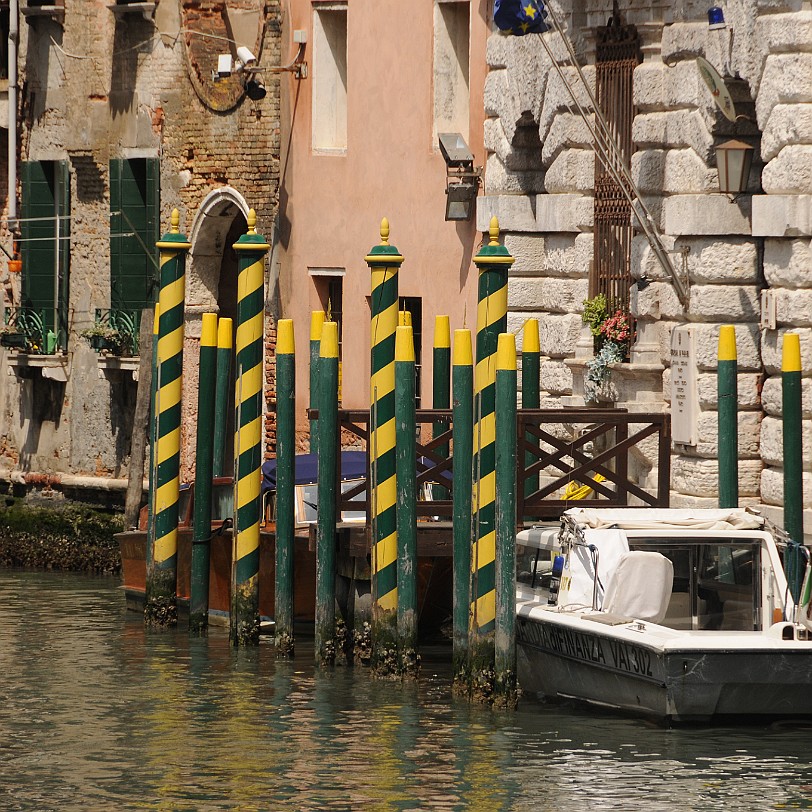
(463, 355)
(225, 334)
(316, 323)
(442, 332)
(530, 337)
(285, 344)
(208, 330)
(404, 343)
(727, 343)
(329, 340)
(791, 355)
(506, 351)
(156, 320)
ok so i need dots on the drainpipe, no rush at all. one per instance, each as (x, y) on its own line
(13, 36)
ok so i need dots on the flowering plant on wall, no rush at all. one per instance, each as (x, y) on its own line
(613, 334)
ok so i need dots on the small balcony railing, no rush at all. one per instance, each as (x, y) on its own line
(37, 332)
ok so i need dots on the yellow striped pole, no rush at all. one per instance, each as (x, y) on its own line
(153, 437)
(384, 262)
(161, 608)
(493, 261)
(244, 617)
(316, 326)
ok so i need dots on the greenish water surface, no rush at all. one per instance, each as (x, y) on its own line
(98, 714)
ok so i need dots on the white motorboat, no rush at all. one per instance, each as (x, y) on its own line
(682, 615)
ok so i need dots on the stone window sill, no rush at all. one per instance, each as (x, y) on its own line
(146, 10)
(56, 13)
(113, 365)
(53, 367)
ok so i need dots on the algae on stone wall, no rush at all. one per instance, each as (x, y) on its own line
(70, 537)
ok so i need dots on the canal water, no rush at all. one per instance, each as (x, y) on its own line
(98, 714)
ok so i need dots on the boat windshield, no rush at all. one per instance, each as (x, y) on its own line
(717, 584)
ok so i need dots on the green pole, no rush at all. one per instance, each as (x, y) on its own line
(493, 261)
(505, 632)
(325, 639)
(384, 261)
(201, 534)
(161, 607)
(406, 455)
(441, 380)
(285, 485)
(153, 436)
(244, 616)
(727, 390)
(316, 326)
(793, 438)
(225, 345)
(463, 428)
(531, 392)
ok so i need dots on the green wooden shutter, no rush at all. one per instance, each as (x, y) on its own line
(134, 230)
(62, 194)
(39, 282)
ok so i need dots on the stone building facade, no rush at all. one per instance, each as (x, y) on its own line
(746, 262)
(116, 100)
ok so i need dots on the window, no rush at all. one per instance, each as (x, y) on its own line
(46, 250)
(330, 77)
(330, 290)
(451, 44)
(413, 305)
(134, 230)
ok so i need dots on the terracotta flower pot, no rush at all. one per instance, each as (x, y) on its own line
(15, 265)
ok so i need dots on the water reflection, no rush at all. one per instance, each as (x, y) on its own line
(97, 713)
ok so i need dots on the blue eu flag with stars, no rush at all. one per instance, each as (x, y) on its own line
(520, 17)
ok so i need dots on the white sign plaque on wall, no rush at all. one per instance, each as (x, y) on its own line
(684, 396)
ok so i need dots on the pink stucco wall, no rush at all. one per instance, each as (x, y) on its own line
(331, 205)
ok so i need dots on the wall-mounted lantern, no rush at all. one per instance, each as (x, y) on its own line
(462, 178)
(734, 159)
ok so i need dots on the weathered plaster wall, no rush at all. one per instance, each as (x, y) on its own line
(106, 87)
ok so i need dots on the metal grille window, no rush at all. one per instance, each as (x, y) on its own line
(618, 53)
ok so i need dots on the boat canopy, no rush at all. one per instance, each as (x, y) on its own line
(665, 519)
(353, 466)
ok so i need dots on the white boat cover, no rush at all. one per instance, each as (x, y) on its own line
(640, 587)
(576, 591)
(666, 518)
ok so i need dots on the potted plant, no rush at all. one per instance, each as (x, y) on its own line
(11, 336)
(102, 336)
(612, 333)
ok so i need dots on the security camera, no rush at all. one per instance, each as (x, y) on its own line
(245, 57)
(255, 90)
(224, 66)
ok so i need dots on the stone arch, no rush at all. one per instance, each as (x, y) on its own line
(211, 287)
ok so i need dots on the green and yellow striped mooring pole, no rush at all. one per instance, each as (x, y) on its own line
(225, 349)
(493, 262)
(326, 644)
(316, 325)
(441, 387)
(792, 437)
(728, 417)
(462, 438)
(204, 461)
(406, 476)
(531, 391)
(161, 589)
(244, 617)
(384, 261)
(285, 485)
(505, 632)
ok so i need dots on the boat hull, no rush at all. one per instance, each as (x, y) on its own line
(754, 679)
(132, 545)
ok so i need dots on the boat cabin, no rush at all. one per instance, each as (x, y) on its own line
(681, 574)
